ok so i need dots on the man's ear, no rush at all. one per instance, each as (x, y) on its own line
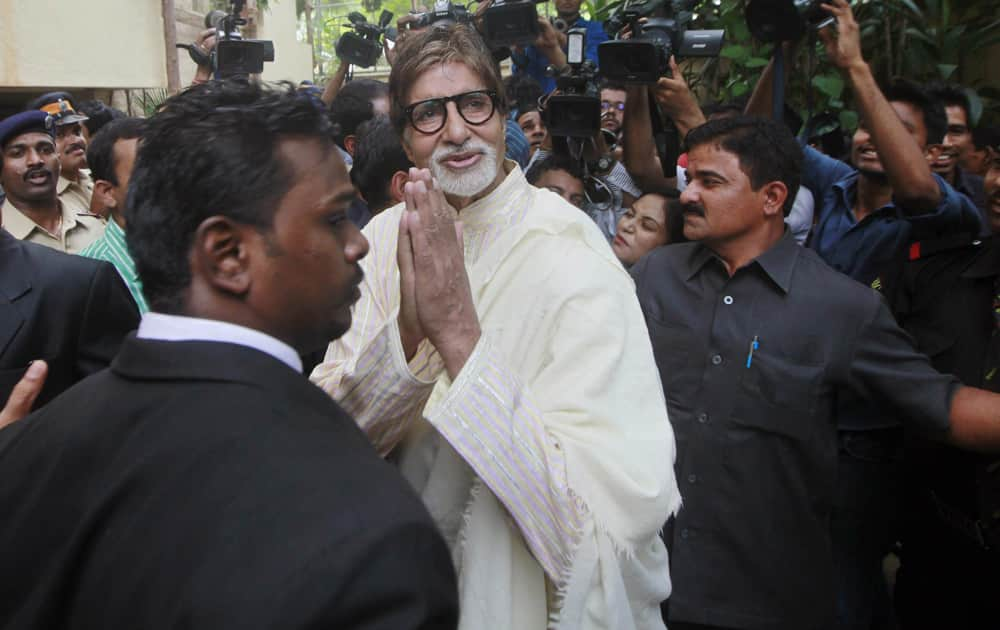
(774, 194)
(220, 255)
(350, 144)
(102, 199)
(399, 179)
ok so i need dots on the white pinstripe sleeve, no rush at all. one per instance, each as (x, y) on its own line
(491, 419)
(365, 370)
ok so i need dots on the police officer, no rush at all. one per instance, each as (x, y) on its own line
(75, 187)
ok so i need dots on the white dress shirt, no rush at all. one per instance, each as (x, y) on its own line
(163, 327)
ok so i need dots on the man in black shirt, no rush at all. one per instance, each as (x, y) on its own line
(755, 337)
(947, 298)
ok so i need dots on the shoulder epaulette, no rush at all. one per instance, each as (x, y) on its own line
(927, 248)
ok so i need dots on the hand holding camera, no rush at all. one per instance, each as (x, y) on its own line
(677, 101)
(843, 44)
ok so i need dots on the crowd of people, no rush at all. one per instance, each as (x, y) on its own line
(387, 355)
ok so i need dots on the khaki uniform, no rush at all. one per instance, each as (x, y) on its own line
(79, 229)
(76, 195)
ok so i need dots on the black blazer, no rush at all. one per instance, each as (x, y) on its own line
(69, 310)
(207, 485)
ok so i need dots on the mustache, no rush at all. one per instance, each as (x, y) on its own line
(469, 146)
(75, 146)
(35, 170)
(693, 208)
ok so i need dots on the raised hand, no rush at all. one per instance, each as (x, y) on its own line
(677, 101)
(435, 296)
(843, 45)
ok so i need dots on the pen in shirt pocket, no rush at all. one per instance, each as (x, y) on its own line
(754, 345)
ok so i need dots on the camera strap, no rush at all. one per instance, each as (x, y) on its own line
(778, 85)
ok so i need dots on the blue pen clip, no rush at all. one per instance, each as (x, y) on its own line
(753, 346)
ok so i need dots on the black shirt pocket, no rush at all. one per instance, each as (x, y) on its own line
(778, 396)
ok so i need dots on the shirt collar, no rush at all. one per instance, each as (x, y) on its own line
(21, 226)
(778, 262)
(963, 182)
(987, 264)
(493, 207)
(163, 327)
(112, 232)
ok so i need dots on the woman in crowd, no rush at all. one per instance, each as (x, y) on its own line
(653, 220)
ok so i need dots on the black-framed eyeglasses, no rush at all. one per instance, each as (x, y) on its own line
(475, 108)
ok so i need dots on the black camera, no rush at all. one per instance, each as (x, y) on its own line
(576, 111)
(785, 20)
(511, 23)
(234, 56)
(646, 56)
(444, 13)
(363, 46)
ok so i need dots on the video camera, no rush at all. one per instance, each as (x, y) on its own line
(511, 22)
(575, 112)
(645, 57)
(444, 13)
(363, 46)
(233, 56)
(785, 20)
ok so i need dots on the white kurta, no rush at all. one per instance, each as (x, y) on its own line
(548, 463)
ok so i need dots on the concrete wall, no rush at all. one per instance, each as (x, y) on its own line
(72, 44)
(292, 58)
(118, 44)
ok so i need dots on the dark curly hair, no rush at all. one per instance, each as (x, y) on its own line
(210, 151)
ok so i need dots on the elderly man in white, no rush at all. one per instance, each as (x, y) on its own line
(502, 351)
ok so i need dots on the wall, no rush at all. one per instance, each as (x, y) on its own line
(72, 44)
(292, 59)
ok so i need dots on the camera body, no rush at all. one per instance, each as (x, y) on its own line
(576, 111)
(646, 56)
(242, 57)
(444, 13)
(363, 46)
(234, 56)
(785, 20)
(511, 23)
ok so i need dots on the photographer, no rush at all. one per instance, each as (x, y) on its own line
(678, 104)
(550, 47)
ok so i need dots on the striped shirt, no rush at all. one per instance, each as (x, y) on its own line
(111, 248)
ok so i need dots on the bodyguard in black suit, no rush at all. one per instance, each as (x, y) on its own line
(201, 482)
(72, 312)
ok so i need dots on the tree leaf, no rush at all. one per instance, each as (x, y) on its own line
(975, 106)
(947, 69)
(756, 62)
(848, 120)
(830, 84)
(735, 52)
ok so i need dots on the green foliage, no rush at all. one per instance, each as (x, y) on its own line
(146, 102)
